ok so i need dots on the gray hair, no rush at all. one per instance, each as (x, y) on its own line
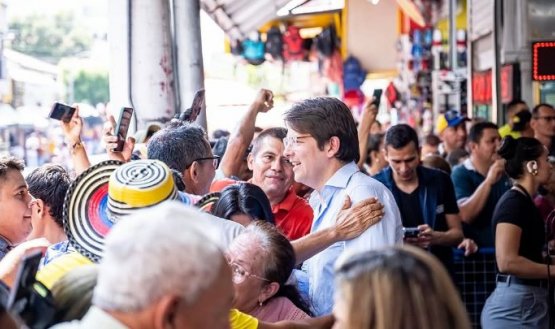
(154, 252)
(180, 146)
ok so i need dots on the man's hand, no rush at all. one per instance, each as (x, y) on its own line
(10, 263)
(470, 247)
(353, 221)
(111, 142)
(496, 171)
(264, 101)
(425, 238)
(369, 114)
(72, 129)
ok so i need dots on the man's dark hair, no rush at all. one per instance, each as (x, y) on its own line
(514, 103)
(399, 136)
(50, 183)
(536, 109)
(276, 132)
(323, 118)
(477, 130)
(10, 163)
(178, 146)
(432, 140)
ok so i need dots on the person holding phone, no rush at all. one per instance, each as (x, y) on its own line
(426, 197)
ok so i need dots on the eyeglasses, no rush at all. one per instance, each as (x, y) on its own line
(293, 140)
(215, 160)
(239, 274)
(547, 118)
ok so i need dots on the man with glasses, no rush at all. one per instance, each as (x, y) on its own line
(543, 123)
(322, 147)
(185, 148)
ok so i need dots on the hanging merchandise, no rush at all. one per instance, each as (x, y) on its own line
(353, 74)
(237, 48)
(391, 94)
(274, 43)
(293, 44)
(327, 41)
(253, 49)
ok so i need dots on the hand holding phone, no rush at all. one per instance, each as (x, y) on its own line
(411, 232)
(377, 95)
(61, 112)
(122, 128)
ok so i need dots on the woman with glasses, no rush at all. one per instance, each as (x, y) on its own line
(396, 288)
(243, 203)
(520, 296)
(261, 261)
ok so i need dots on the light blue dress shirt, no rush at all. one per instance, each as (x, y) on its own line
(326, 204)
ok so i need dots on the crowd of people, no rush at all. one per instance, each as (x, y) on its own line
(327, 222)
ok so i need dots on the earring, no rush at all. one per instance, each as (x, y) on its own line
(260, 303)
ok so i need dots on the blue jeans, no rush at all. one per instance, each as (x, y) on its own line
(514, 305)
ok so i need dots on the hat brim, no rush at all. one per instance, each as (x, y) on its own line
(457, 121)
(207, 201)
(85, 215)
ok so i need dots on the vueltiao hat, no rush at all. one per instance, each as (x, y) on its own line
(106, 192)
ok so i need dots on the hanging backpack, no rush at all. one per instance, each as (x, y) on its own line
(327, 41)
(274, 43)
(353, 74)
(293, 44)
(253, 51)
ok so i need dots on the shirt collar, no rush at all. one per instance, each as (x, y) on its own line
(5, 244)
(468, 164)
(341, 177)
(287, 202)
(97, 318)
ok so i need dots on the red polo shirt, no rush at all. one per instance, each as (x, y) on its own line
(293, 216)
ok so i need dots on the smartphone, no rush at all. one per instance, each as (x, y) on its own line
(123, 127)
(377, 97)
(192, 113)
(24, 280)
(61, 112)
(411, 232)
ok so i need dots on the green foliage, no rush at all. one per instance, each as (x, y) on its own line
(91, 87)
(49, 37)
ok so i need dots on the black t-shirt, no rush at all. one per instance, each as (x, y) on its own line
(411, 211)
(518, 209)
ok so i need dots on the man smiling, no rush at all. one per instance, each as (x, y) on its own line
(322, 146)
(15, 213)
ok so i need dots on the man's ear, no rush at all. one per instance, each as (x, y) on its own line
(332, 146)
(40, 208)
(268, 292)
(165, 311)
(194, 170)
(250, 160)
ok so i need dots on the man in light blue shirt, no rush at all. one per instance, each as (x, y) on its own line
(322, 146)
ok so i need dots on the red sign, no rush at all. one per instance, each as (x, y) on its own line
(481, 85)
(543, 65)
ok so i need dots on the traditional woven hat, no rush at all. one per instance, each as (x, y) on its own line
(107, 191)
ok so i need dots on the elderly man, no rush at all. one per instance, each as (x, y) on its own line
(186, 149)
(15, 201)
(142, 285)
(543, 123)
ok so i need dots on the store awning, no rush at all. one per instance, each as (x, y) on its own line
(240, 17)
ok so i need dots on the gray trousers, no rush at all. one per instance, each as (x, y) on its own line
(516, 306)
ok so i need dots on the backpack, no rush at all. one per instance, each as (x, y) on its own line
(353, 74)
(327, 41)
(253, 51)
(293, 44)
(274, 43)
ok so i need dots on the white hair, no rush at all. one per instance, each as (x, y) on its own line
(154, 252)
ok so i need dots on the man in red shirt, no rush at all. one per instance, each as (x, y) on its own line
(273, 173)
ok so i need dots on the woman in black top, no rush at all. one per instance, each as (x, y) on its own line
(520, 296)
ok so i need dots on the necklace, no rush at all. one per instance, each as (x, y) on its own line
(522, 189)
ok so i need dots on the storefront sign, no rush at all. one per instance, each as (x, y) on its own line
(481, 85)
(543, 65)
